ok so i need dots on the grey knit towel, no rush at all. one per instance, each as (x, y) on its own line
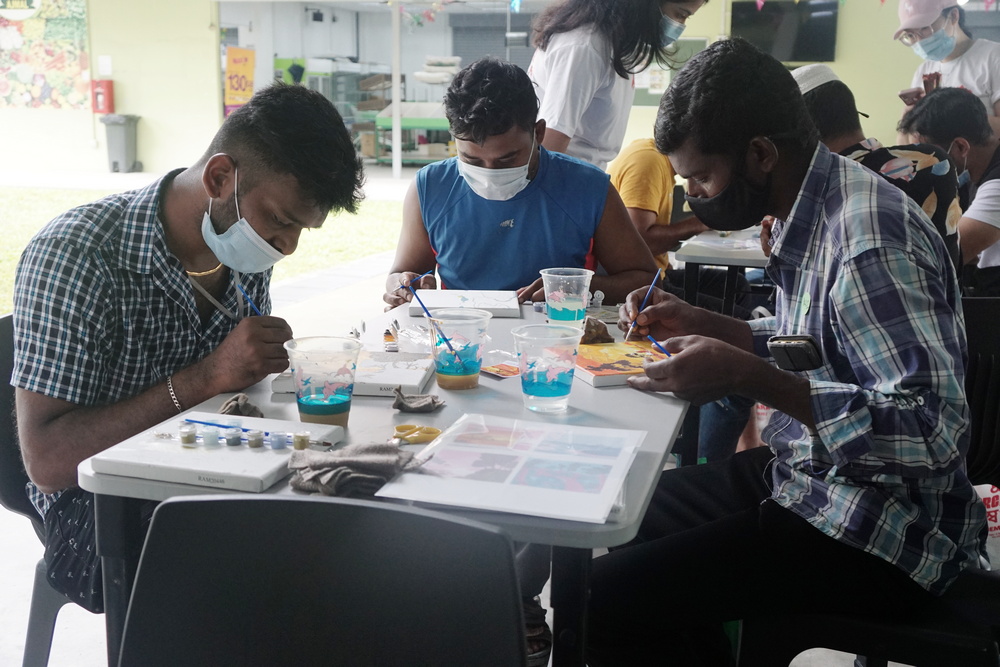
(240, 404)
(415, 402)
(355, 470)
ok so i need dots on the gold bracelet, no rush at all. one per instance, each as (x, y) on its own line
(173, 396)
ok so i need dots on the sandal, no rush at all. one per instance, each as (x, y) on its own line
(536, 632)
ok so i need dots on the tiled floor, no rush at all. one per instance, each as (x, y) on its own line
(357, 288)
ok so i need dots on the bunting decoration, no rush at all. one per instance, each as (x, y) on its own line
(418, 19)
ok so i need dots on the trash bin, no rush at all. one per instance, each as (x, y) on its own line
(121, 142)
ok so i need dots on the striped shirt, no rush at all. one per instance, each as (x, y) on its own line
(858, 266)
(103, 309)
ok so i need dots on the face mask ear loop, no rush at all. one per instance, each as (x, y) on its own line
(965, 165)
(236, 198)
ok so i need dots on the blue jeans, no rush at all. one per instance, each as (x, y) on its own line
(720, 424)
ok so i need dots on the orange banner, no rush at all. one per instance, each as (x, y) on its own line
(239, 76)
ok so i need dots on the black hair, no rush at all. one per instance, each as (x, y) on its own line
(489, 97)
(947, 113)
(831, 106)
(289, 129)
(632, 27)
(728, 94)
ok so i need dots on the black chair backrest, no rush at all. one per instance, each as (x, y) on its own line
(982, 384)
(292, 580)
(12, 475)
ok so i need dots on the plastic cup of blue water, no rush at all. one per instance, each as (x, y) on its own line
(546, 356)
(567, 292)
(457, 337)
(323, 372)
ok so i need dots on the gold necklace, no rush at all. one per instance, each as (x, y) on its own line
(199, 274)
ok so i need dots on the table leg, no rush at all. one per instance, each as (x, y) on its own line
(692, 273)
(119, 541)
(570, 589)
(729, 296)
(686, 444)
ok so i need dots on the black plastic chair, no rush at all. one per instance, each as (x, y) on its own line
(265, 580)
(963, 629)
(45, 600)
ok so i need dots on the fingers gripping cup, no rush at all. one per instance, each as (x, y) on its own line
(457, 336)
(323, 369)
(566, 295)
(546, 355)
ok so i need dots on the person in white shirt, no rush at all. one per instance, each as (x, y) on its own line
(587, 52)
(936, 31)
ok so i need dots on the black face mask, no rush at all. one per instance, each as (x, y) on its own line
(739, 205)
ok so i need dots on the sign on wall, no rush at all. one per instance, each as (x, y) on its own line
(239, 77)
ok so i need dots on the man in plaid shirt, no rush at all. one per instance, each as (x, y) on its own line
(860, 503)
(129, 309)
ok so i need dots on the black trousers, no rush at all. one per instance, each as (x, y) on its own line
(713, 548)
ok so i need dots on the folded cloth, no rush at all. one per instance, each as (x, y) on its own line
(595, 331)
(354, 471)
(240, 405)
(415, 402)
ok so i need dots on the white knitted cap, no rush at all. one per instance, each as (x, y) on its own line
(810, 77)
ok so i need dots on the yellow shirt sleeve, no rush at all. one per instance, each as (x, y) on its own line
(644, 179)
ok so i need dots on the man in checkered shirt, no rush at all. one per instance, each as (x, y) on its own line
(130, 309)
(860, 503)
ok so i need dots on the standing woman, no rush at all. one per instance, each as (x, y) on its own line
(936, 31)
(587, 53)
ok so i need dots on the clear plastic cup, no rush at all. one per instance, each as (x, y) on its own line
(546, 356)
(323, 371)
(457, 337)
(567, 292)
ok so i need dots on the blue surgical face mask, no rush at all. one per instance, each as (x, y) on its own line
(937, 46)
(670, 30)
(240, 247)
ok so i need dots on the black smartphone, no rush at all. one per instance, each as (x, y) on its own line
(795, 353)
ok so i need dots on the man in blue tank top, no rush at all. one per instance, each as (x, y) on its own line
(505, 208)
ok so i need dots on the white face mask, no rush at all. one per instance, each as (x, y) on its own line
(240, 247)
(496, 184)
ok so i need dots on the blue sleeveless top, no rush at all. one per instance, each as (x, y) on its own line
(485, 244)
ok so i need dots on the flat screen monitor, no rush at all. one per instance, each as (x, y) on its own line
(804, 31)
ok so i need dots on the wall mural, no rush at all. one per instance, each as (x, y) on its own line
(43, 59)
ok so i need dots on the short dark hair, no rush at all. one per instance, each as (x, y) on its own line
(632, 28)
(728, 94)
(489, 97)
(832, 108)
(947, 113)
(289, 129)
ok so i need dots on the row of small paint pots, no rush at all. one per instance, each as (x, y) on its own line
(234, 436)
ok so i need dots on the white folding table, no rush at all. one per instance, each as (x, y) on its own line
(119, 534)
